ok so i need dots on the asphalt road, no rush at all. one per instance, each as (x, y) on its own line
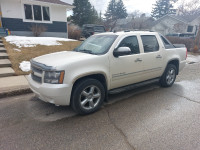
(149, 118)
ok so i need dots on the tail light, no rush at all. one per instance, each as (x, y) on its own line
(186, 54)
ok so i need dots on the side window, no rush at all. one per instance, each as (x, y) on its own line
(166, 43)
(150, 43)
(132, 43)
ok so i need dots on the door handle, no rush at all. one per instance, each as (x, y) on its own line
(159, 56)
(138, 59)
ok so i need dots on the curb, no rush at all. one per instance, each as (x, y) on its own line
(15, 92)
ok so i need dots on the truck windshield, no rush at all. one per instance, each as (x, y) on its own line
(96, 44)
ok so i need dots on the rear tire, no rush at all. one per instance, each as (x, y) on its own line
(88, 96)
(169, 76)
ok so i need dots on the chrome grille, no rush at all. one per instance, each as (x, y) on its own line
(36, 73)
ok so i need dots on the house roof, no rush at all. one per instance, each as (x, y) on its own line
(185, 19)
(59, 2)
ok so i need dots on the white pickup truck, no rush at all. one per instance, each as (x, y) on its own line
(105, 63)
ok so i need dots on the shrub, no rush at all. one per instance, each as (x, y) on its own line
(38, 29)
(189, 43)
(74, 32)
(196, 49)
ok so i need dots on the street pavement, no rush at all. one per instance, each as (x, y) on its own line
(147, 118)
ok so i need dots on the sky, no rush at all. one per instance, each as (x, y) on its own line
(144, 6)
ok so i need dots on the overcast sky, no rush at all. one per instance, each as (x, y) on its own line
(144, 6)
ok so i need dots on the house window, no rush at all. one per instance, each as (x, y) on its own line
(46, 13)
(190, 29)
(28, 11)
(37, 12)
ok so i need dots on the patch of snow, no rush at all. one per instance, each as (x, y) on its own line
(193, 58)
(25, 66)
(16, 49)
(23, 41)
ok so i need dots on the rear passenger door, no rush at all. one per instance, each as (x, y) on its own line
(152, 56)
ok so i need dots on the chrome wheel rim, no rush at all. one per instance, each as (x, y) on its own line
(90, 97)
(171, 74)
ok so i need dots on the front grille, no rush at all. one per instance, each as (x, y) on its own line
(36, 78)
(36, 73)
(35, 69)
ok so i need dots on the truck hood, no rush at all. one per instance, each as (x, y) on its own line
(62, 58)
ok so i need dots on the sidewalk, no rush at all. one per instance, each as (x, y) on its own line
(13, 85)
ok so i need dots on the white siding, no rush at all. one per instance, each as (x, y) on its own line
(14, 9)
(11, 9)
(59, 13)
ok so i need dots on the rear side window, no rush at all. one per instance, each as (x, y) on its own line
(166, 43)
(132, 43)
(150, 43)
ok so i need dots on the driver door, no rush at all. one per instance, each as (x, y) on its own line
(127, 69)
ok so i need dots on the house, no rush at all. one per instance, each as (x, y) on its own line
(19, 16)
(131, 23)
(170, 24)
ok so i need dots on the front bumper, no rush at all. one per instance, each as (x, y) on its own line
(58, 94)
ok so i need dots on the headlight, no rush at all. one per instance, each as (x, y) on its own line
(54, 77)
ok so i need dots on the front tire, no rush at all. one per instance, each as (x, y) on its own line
(169, 76)
(88, 96)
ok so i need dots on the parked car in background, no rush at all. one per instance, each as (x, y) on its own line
(91, 29)
(105, 63)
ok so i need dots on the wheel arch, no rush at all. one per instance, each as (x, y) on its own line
(174, 62)
(101, 77)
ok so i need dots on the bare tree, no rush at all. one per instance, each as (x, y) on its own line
(141, 22)
(189, 8)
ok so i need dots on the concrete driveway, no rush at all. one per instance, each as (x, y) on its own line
(149, 118)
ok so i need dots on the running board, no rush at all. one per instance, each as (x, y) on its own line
(132, 86)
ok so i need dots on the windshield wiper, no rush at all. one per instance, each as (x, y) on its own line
(84, 51)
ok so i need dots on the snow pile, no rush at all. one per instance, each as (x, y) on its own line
(23, 41)
(25, 66)
(16, 49)
(193, 58)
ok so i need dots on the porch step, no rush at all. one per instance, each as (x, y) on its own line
(3, 56)
(2, 50)
(6, 72)
(1, 45)
(5, 63)
(1, 41)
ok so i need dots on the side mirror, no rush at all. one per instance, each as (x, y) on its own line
(121, 51)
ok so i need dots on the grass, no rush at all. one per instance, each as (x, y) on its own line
(27, 53)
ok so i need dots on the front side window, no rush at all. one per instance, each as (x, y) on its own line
(132, 43)
(97, 44)
(28, 11)
(36, 12)
(150, 43)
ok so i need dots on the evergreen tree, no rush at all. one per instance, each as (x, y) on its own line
(121, 10)
(116, 10)
(84, 13)
(111, 10)
(162, 8)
